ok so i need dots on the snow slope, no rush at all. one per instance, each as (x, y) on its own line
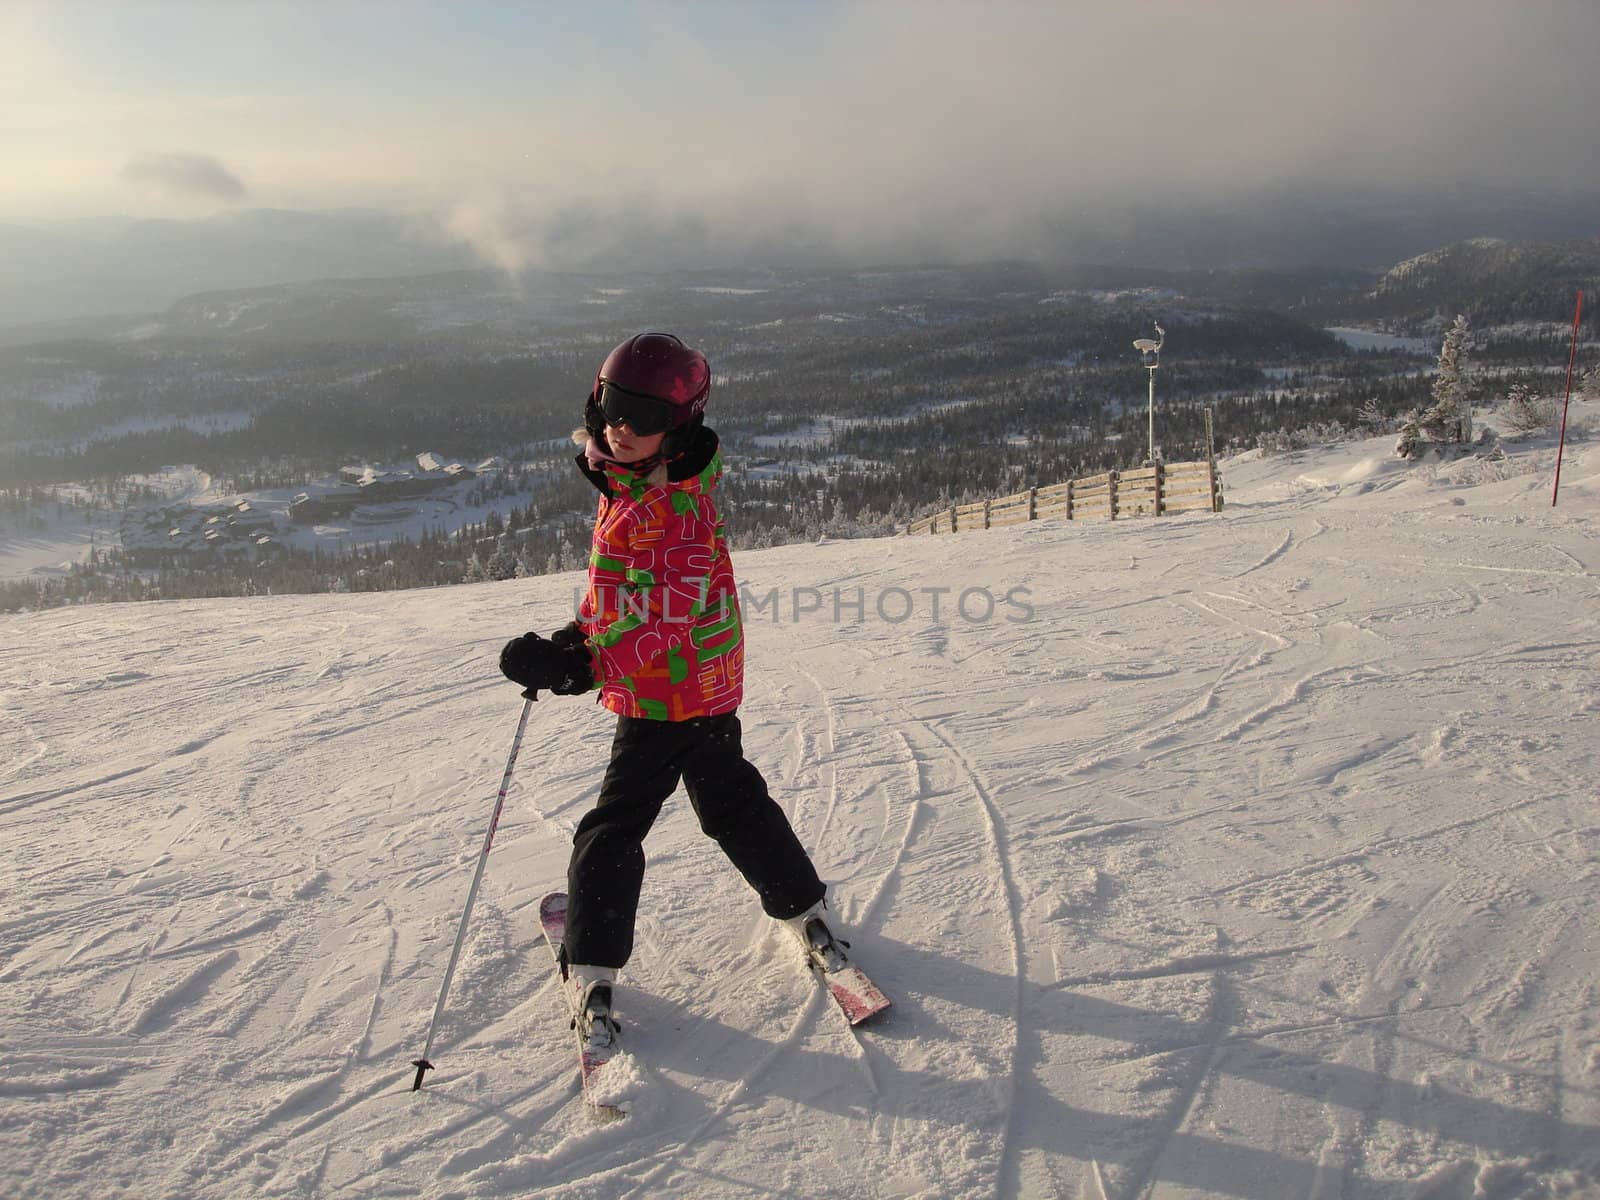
(1259, 861)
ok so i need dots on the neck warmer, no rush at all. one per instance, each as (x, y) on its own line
(599, 456)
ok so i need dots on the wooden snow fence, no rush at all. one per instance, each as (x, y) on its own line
(1147, 492)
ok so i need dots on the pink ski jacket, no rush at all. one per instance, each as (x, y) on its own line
(661, 613)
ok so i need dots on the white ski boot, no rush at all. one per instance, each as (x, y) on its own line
(597, 1028)
(857, 996)
(825, 951)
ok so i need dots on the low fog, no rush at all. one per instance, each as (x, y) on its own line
(965, 131)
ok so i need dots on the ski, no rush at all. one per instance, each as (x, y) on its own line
(856, 996)
(592, 1059)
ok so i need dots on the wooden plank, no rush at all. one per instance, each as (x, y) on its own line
(1130, 478)
(1055, 490)
(1196, 504)
(1019, 518)
(1092, 481)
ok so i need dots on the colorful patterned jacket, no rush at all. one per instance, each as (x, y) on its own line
(661, 613)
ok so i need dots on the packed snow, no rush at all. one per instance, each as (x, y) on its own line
(1249, 854)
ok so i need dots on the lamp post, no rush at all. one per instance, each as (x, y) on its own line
(1150, 348)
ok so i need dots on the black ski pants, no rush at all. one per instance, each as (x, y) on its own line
(648, 759)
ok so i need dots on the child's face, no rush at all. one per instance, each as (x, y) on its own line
(630, 447)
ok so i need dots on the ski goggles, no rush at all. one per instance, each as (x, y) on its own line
(645, 415)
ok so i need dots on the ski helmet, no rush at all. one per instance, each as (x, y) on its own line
(654, 367)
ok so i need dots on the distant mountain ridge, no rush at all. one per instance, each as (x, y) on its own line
(1492, 280)
(71, 270)
(361, 276)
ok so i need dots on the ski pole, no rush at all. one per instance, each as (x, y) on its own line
(422, 1064)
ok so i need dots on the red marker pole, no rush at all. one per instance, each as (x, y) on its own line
(1572, 359)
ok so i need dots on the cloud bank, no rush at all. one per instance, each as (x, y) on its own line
(186, 176)
(961, 130)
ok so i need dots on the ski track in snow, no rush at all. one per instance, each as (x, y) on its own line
(1259, 862)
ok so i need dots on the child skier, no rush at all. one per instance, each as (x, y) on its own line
(659, 635)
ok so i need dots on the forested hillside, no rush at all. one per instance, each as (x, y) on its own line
(848, 402)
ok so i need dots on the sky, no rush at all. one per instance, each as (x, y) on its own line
(514, 124)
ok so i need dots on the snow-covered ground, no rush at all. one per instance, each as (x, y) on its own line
(48, 540)
(66, 532)
(51, 548)
(1367, 339)
(1241, 855)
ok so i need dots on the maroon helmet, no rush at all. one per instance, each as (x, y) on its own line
(654, 382)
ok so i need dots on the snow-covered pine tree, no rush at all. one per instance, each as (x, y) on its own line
(1527, 411)
(1373, 416)
(502, 563)
(1450, 417)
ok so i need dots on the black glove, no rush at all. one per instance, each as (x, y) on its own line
(570, 634)
(537, 662)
